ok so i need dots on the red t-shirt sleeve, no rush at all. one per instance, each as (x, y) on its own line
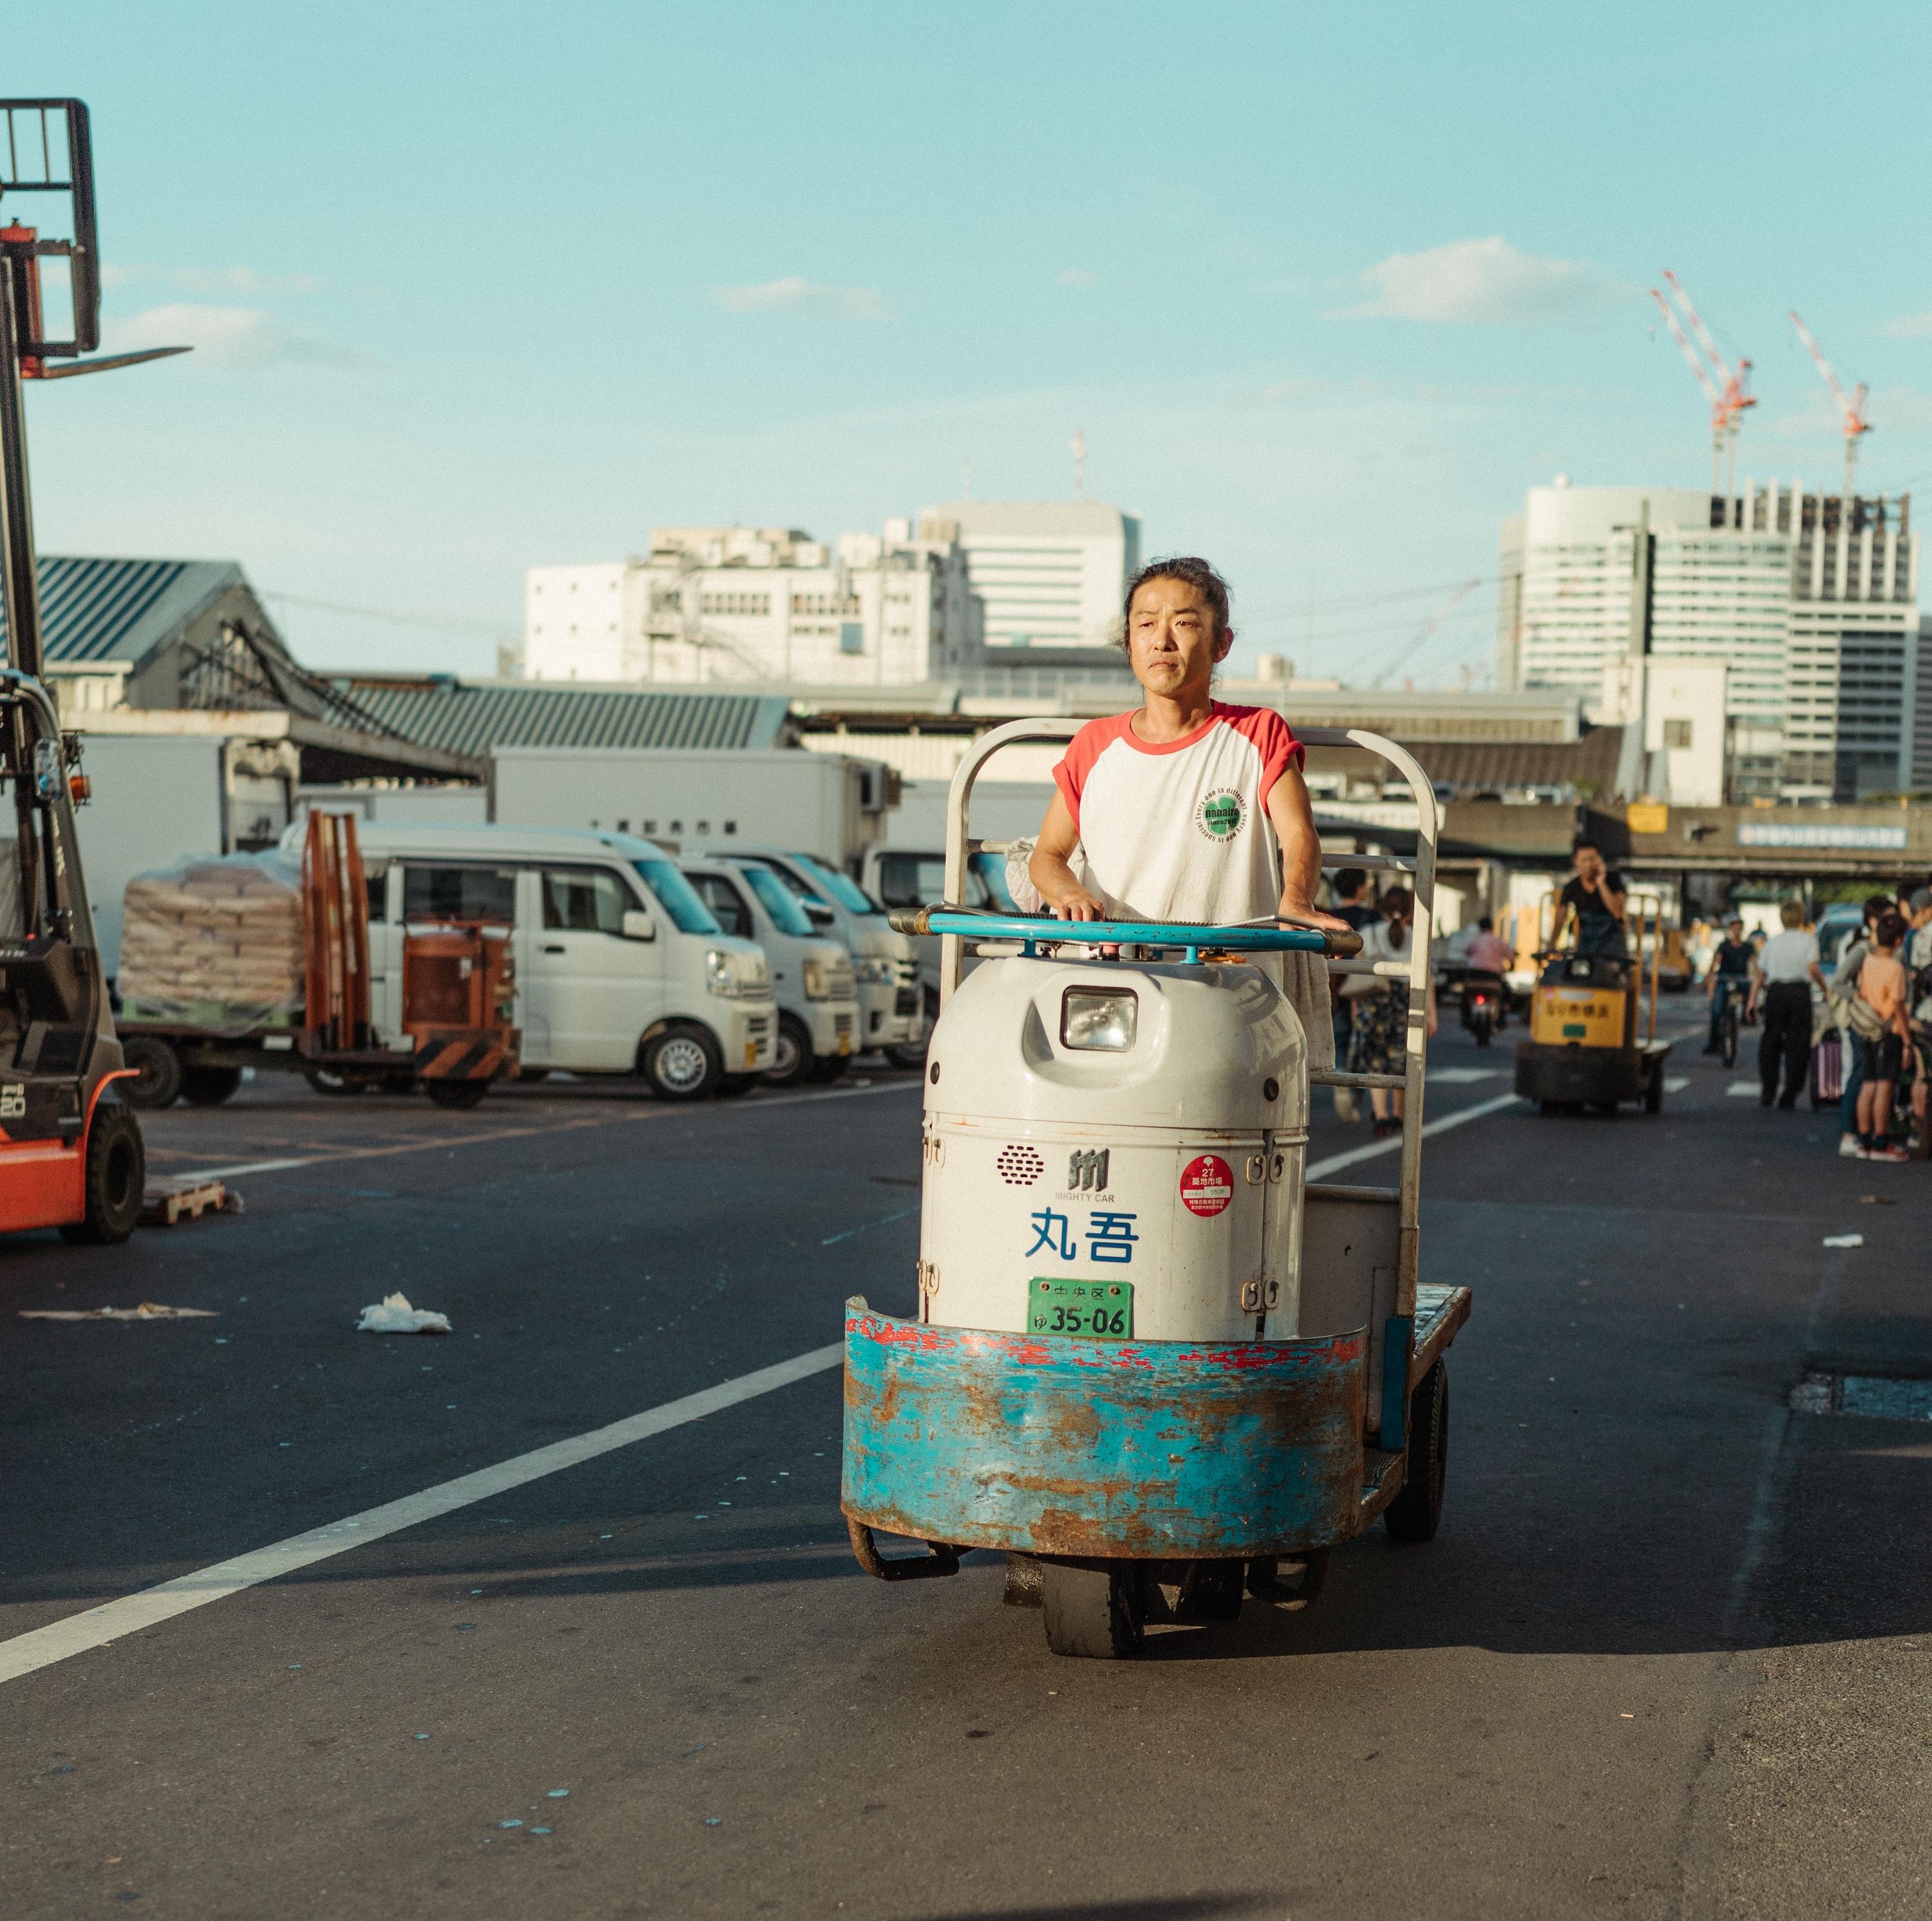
(1086, 747)
(1274, 740)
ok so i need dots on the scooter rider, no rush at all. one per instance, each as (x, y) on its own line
(1488, 957)
(1187, 809)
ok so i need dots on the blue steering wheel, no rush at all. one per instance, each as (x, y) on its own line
(1336, 943)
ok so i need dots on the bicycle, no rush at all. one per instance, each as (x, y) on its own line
(1730, 1019)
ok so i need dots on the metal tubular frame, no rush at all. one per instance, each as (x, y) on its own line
(952, 951)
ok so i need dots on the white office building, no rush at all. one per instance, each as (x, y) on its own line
(1813, 615)
(765, 603)
(1051, 575)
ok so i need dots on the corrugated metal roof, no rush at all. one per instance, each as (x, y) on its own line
(121, 611)
(473, 716)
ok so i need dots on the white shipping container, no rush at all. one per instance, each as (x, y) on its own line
(833, 805)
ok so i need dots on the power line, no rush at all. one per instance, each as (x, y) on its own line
(1242, 618)
(390, 616)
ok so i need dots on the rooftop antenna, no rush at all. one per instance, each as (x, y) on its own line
(1078, 444)
(1851, 406)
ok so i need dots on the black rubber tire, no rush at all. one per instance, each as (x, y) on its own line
(158, 1069)
(116, 1178)
(912, 1054)
(791, 1053)
(1210, 1591)
(340, 1086)
(1093, 1613)
(1415, 1513)
(1728, 1033)
(682, 1063)
(827, 1068)
(1653, 1089)
(1482, 1037)
(732, 1087)
(209, 1087)
(455, 1093)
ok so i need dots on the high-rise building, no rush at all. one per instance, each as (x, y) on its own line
(766, 604)
(1812, 610)
(1051, 575)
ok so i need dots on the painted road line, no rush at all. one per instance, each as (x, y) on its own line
(61, 1639)
(1460, 1076)
(883, 1220)
(1675, 1083)
(1336, 1163)
(1744, 1090)
(452, 1141)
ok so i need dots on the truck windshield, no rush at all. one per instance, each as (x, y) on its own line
(787, 917)
(676, 896)
(853, 898)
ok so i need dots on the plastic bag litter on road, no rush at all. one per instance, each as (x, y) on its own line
(148, 1311)
(395, 1316)
(1844, 1240)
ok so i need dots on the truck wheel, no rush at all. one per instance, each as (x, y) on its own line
(827, 1068)
(455, 1093)
(791, 1054)
(158, 1070)
(326, 1080)
(1415, 1513)
(912, 1054)
(114, 1179)
(682, 1063)
(209, 1087)
(1093, 1612)
(731, 1086)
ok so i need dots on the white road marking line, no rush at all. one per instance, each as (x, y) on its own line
(1460, 1076)
(882, 1221)
(41, 1647)
(568, 1127)
(1675, 1083)
(1744, 1090)
(1336, 1163)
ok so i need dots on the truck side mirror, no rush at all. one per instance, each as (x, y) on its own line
(819, 913)
(638, 925)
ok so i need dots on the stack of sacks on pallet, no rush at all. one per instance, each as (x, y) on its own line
(216, 943)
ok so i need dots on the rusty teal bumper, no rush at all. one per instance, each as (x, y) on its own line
(1146, 1449)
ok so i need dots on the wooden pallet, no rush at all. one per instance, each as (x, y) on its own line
(169, 1202)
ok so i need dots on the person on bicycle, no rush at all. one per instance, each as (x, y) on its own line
(1730, 974)
(1188, 808)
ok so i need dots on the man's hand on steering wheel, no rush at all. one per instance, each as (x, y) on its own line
(1295, 906)
(1077, 903)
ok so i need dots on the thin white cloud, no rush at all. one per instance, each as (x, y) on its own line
(211, 280)
(1481, 283)
(1909, 326)
(1891, 410)
(235, 337)
(1076, 277)
(795, 294)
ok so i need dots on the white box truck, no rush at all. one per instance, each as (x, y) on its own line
(831, 805)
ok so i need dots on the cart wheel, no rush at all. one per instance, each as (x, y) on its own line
(114, 1179)
(1210, 1591)
(1265, 1583)
(326, 1080)
(1653, 1090)
(209, 1087)
(455, 1093)
(1093, 1612)
(158, 1069)
(1416, 1513)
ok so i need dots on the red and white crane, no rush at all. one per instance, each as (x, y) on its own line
(1725, 386)
(1851, 406)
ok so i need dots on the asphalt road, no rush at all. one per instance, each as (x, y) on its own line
(1664, 1657)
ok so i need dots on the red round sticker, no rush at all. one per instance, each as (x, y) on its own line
(1207, 1185)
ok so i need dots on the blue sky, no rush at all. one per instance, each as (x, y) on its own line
(481, 287)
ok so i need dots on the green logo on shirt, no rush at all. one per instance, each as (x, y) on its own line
(1222, 814)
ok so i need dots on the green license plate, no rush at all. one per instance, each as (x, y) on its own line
(1100, 1309)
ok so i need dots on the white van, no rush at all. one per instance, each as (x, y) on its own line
(621, 968)
(916, 877)
(891, 1015)
(812, 977)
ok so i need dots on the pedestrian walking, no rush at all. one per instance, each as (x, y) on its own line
(1880, 1005)
(1781, 981)
(1843, 991)
(1379, 1042)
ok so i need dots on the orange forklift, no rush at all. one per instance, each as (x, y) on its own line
(71, 1152)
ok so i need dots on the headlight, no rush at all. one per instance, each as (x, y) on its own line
(736, 977)
(816, 987)
(1101, 1019)
(872, 972)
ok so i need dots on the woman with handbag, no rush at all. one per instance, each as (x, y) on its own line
(1379, 1007)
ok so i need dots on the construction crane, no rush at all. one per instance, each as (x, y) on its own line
(1851, 406)
(1429, 626)
(1725, 387)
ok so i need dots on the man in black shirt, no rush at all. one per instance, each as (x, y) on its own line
(1730, 973)
(1595, 896)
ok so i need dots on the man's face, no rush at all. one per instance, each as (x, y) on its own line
(1737, 930)
(1589, 864)
(1171, 643)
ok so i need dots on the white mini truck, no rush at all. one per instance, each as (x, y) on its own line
(1151, 1363)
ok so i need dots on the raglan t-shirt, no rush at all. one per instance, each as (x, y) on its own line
(1179, 830)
